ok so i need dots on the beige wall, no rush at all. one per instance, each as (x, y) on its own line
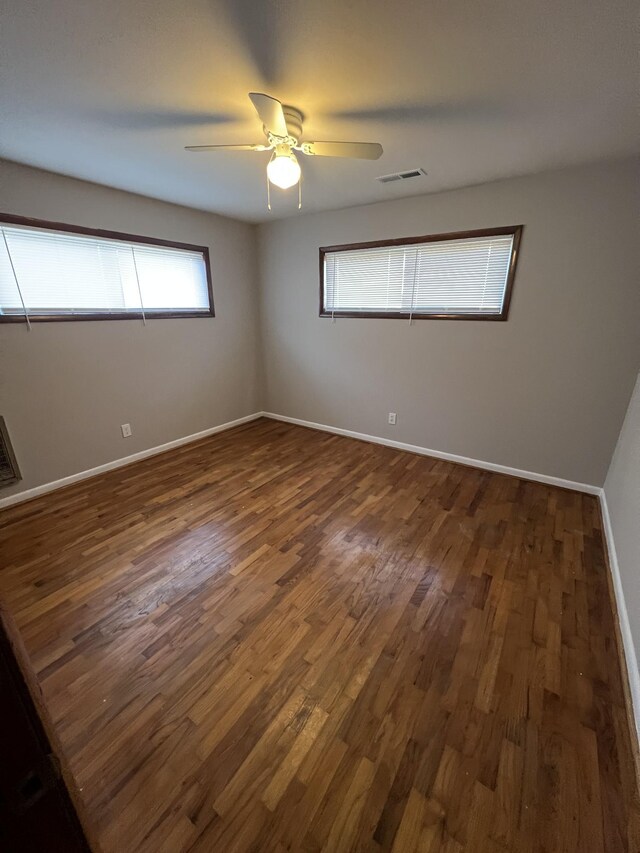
(622, 491)
(65, 388)
(544, 392)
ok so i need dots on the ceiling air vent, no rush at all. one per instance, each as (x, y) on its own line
(9, 471)
(401, 176)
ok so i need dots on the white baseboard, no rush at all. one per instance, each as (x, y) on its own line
(439, 454)
(28, 494)
(623, 615)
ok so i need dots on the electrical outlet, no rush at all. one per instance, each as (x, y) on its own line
(392, 417)
(126, 430)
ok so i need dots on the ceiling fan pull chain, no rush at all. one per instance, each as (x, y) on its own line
(268, 195)
(300, 193)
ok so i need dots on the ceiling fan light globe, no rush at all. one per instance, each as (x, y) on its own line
(284, 171)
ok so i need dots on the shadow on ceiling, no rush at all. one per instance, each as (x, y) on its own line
(258, 25)
(418, 112)
(141, 119)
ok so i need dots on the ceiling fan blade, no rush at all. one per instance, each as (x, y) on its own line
(355, 150)
(270, 112)
(248, 147)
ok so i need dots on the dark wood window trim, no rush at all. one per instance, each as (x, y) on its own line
(65, 227)
(516, 230)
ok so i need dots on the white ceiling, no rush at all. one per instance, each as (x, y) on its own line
(470, 91)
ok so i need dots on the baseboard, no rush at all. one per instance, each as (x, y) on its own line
(628, 648)
(28, 494)
(439, 454)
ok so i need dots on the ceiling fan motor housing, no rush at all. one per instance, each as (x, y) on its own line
(294, 119)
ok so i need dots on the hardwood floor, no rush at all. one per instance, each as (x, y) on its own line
(279, 639)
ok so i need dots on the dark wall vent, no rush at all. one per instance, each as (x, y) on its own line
(402, 176)
(9, 471)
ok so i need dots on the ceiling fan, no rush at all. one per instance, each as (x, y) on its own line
(282, 125)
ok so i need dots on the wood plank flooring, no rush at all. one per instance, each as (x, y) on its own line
(279, 639)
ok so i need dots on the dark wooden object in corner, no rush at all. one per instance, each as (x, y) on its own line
(37, 811)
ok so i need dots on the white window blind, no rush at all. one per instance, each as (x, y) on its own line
(53, 273)
(450, 277)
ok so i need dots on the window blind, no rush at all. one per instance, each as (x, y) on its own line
(52, 273)
(449, 277)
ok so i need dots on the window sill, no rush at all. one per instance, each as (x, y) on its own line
(66, 318)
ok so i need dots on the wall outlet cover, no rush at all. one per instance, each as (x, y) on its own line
(126, 430)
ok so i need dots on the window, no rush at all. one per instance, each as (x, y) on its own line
(463, 276)
(51, 271)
